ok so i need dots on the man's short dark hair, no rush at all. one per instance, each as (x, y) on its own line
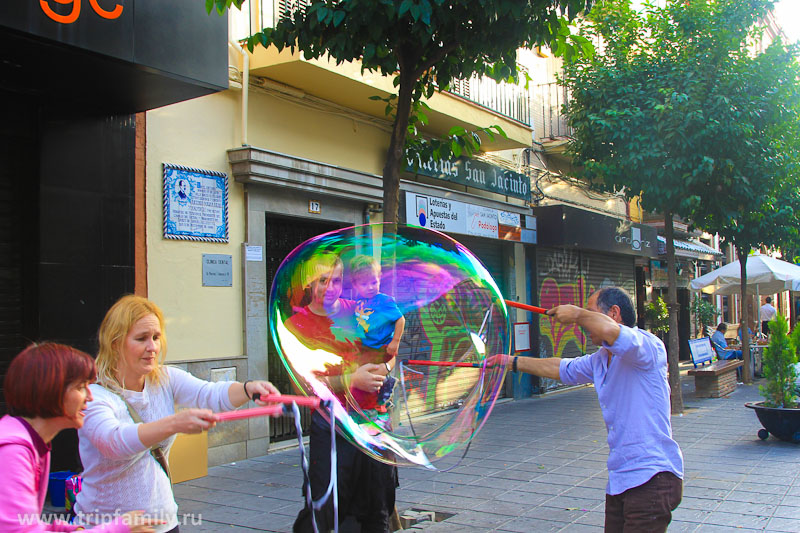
(723, 327)
(610, 296)
(769, 299)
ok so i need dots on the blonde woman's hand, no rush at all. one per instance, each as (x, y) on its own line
(192, 420)
(263, 389)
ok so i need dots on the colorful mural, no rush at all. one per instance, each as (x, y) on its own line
(551, 294)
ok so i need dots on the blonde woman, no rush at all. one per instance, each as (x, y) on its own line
(131, 424)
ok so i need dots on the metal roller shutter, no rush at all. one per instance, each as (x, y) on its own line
(435, 390)
(568, 276)
(490, 252)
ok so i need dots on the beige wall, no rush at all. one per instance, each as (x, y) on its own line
(206, 322)
(202, 322)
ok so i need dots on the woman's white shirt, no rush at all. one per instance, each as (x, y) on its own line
(120, 474)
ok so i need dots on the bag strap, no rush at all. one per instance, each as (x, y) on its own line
(155, 450)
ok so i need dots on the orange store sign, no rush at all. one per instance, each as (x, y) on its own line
(76, 10)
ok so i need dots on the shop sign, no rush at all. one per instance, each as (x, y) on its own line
(562, 225)
(134, 34)
(475, 173)
(75, 11)
(451, 216)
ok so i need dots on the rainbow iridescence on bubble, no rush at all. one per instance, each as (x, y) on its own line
(453, 311)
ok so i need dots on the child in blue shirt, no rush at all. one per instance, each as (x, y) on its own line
(379, 325)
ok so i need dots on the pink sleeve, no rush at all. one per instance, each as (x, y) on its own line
(19, 510)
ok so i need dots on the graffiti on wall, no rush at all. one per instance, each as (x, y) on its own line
(553, 293)
(564, 264)
(437, 332)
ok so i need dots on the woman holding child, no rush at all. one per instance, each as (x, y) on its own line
(131, 424)
(366, 486)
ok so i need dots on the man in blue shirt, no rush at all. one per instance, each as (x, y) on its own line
(721, 344)
(629, 372)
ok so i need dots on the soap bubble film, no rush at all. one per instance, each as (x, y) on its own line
(334, 306)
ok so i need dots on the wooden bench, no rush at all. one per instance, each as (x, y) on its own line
(715, 380)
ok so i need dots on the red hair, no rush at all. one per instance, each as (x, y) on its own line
(39, 376)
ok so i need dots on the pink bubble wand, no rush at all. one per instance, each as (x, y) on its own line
(311, 402)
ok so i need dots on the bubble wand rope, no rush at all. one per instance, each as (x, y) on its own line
(332, 484)
(403, 368)
(307, 401)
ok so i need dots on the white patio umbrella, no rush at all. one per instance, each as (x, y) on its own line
(765, 275)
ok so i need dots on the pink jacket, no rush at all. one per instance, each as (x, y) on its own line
(25, 477)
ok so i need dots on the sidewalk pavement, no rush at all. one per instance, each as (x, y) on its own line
(539, 465)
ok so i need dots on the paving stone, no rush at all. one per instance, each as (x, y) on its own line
(534, 467)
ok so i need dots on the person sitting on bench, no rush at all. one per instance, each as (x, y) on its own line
(721, 344)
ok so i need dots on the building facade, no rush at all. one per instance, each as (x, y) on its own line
(74, 86)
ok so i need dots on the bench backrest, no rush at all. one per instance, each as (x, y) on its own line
(702, 351)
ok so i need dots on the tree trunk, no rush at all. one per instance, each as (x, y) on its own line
(672, 305)
(396, 151)
(747, 375)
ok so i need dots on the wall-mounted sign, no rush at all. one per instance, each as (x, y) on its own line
(75, 11)
(451, 216)
(53, 44)
(217, 270)
(564, 225)
(510, 226)
(475, 173)
(195, 204)
(314, 208)
(253, 253)
(522, 336)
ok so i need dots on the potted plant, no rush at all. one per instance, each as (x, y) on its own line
(779, 413)
(657, 315)
(705, 314)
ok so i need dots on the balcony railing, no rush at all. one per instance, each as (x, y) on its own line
(504, 98)
(509, 100)
(549, 121)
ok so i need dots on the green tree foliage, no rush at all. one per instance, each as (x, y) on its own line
(657, 315)
(423, 45)
(676, 107)
(780, 357)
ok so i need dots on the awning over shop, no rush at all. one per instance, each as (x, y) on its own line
(692, 249)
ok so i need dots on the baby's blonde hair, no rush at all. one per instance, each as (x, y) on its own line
(362, 263)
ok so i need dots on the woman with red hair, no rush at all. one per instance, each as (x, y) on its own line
(46, 390)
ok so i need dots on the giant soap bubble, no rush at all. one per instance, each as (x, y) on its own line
(328, 319)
